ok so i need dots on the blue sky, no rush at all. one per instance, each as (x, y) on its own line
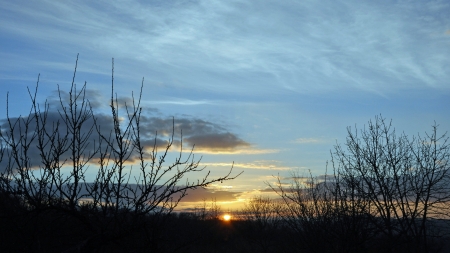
(270, 85)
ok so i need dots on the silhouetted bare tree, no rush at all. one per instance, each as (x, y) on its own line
(318, 219)
(387, 193)
(404, 181)
(46, 156)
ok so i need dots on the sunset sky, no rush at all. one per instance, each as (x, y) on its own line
(270, 85)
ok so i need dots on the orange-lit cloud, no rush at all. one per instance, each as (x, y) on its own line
(235, 151)
(250, 150)
(256, 165)
(234, 203)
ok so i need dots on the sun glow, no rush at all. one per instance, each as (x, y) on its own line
(226, 217)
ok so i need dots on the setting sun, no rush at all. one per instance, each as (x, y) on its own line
(226, 217)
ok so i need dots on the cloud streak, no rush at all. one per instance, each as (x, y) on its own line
(308, 140)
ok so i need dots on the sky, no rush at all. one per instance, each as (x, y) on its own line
(269, 85)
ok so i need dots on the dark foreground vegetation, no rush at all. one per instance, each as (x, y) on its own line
(387, 192)
(26, 230)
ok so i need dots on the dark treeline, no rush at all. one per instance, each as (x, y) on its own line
(387, 192)
(261, 227)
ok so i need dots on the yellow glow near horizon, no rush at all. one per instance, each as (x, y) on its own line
(226, 217)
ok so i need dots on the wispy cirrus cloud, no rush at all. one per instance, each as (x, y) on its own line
(289, 45)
